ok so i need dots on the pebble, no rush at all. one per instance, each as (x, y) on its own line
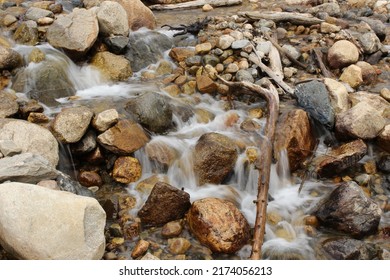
(225, 41)
(244, 75)
(140, 249)
(385, 93)
(352, 75)
(178, 246)
(172, 229)
(232, 68)
(207, 8)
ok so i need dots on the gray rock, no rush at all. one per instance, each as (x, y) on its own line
(34, 13)
(8, 148)
(348, 210)
(9, 59)
(239, 44)
(47, 82)
(27, 33)
(210, 59)
(26, 168)
(31, 138)
(369, 42)
(43, 224)
(66, 183)
(294, 52)
(384, 163)
(332, 9)
(214, 158)
(314, 98)
(194, 60)
(112, 19)
(146, 47)
(72, 123)
(225, 41)
(244, 75)
(377, 26)
(75, 32)
(152, 110)
(164, 204)
(8, 105)
(348, 249)
(85, 145)
(117, 44)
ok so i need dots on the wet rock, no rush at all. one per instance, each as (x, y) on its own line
(203, 48)
(112, 66)
(352, 75)
(29, 232)
(117, 44)
(9, 19)
(218, 224)
(124, 138)
(36, 55)
(37, 118)
(26, 168)
(314, 98)
(66, 183)
(152, 110)
(75, 32)
(338, 95)
(370, 42)
(112, 19)
(249, 125)
(210, 59)
(294, 134)
(340, 158)
(161, 153)
(27, 33)
(8, 148)
(8, 105)
(178, 246)
(225, 41)
(34, 13)
(164, 204)
(232, 68)
(240, 44)
(146, 47)
(181, 54)
(86, 144)
(384, 138)
(361, 121)
(145, 186)
(127, 170)
(140, 249)
(48, 82)
(205, 84)
(31, 106)
(348, 210)
(31, 138)
(106, 119)
(90, 178)
(9, 59)
(164, 68)
(348, 249)
(342, 54)
(214, 158)
(172, 229)
(71, 124)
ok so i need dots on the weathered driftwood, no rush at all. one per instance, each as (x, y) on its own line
(324, 69)
(294, 18)
(275, 62)
(265, 160)
(195, 4)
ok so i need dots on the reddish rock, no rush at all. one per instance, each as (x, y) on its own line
(294, 134)
(181, 54)
(206, 84)
(90, 178)
(127, 170)
(218, 224)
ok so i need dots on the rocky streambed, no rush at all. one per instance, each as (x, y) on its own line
(119, 140)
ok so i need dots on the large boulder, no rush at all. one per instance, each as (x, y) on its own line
(9, 59)
(113, 67)
(342, 53)
(214, 158)
(26, 168)
(343, 248)
(314, 98)
(71, 124)
(31, 138)
(218, 224)
(112, 19)
(361, 121)
(152, 110)
(43, 224)
(146, 47)
(294, 134)
(348, 210)
(75, 32)
(46, 82)
(337, 160)
(124, 138)
(164, 204)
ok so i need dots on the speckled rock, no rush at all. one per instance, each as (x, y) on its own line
(106, 119)
(114, 67)
(127, 170)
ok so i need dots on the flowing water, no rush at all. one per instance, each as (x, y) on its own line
(286, 234)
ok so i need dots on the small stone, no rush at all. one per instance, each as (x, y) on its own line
(232, 68)
(145, 186)
(105, 120)
(329, 28)
(289, 71)
(352, 75)
(207, 8)
(45, 21)
(172, 90)
(181, 54)
(385, 93)
(342, 54)
(172, 229)
(189, 87)
(9, 19)
(127, 170)
(50, 184)
(8, 105)
(244, 75)
(311, 221)
(369, 74)
(370, 167)
(116, 230)
(148, 257)
(36, 55)
(239, 44)
(203, 48)
(225, 41)
(206, 84)
(249, 125)
(140, 249)
(37, 118)
(369, 42)
(210, 59)
(178, 245)
(252, 154)
(90, 178)
(164, 68)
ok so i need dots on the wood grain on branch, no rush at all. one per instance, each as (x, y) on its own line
(195, 4)
(294, 18)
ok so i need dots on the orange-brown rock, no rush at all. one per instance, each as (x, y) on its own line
(138, 14)
(172, 229)
(218, 224)
(127, 170)
(124, 138)
(340, 158)
(181, 54)
(294, 134)
(140, 249)
(178, 245)
(206, 84)
(161, 153)
(90, 178)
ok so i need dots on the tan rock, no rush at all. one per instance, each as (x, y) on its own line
(106, 119)
(140, 249)
(353, 76)
(181, 54)
(218, 224)
(178, 246)
(384, 138)
(138, 14)
(205, 84)
(113, 67)
(8, 105)
(90, 178)
(36, 55)
(127, 170)
(172, 229)
(9, 59)
(207, 8)
(368, 72)
(342, 54)
(385, 94)
(372, 99)
(146, 185)
(203, 48)
(338, 95)
(329, 28)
